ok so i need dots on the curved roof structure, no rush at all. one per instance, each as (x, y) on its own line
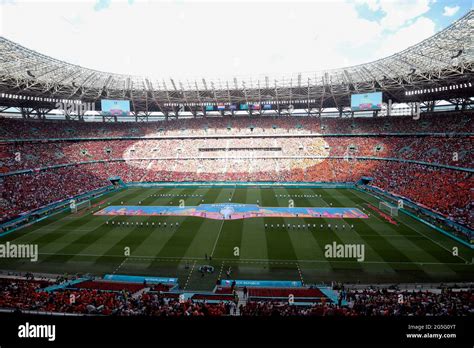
(443, 59)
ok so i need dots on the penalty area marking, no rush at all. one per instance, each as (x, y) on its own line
(421, 234)
(435, 242)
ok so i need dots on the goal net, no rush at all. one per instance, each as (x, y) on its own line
(75, 207)
(384, 206)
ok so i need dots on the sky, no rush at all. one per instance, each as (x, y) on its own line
(195, 39)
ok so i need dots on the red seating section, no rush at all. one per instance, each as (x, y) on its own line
(285, 292)
(212, 297)
(109, 286)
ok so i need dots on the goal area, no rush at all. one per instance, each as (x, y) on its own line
(384, 206)
(75, 207)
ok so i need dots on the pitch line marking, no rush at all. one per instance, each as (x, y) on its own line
(422, 234)
(220, 230)
(189, 276)
(301, 274)
(274, 261)
(406, 237)
(318, 228)
(435, 242)
(220, 272)
(115, 271)
(217, 239)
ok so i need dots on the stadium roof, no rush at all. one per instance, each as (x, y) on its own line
(431, 66)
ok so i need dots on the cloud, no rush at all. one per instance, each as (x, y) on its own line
(398, 13)
(408, 36)
(450, 11)
(191, 40)
(395, 14)
(373, 5)
(101, 5)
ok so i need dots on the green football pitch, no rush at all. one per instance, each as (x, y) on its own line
(409, 251)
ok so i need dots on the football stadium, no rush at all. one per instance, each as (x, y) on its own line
(338, 192)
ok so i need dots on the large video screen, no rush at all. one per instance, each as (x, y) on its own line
(366, 101)
(115, 107)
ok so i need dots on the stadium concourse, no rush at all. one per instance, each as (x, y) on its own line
(46, 161)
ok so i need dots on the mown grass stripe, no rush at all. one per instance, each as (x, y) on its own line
(135, 236)
(326, 236)
(179, 241)
(426, 250)
(84, 240)
(279, 245)
(253, 240)
(230, 236)
(391, 250)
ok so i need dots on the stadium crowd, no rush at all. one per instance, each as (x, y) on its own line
(22, 294)
(452, 151)
(284, 158)
(428, 122)
(381, 302)
(448, 193)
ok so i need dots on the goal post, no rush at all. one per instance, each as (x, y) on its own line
(384, 206)
(75, 206)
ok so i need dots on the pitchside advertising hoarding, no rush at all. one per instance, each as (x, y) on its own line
(115, 107)
(366, 101)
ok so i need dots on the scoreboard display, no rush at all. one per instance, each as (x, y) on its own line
(366, 101)
(115, 107)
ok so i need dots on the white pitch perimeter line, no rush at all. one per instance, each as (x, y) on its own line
(115, 271)
(189, 276)
(263, 260)
(425, 236)
(437, 243)
(220, 272)
(301, 274)
(317, 228)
